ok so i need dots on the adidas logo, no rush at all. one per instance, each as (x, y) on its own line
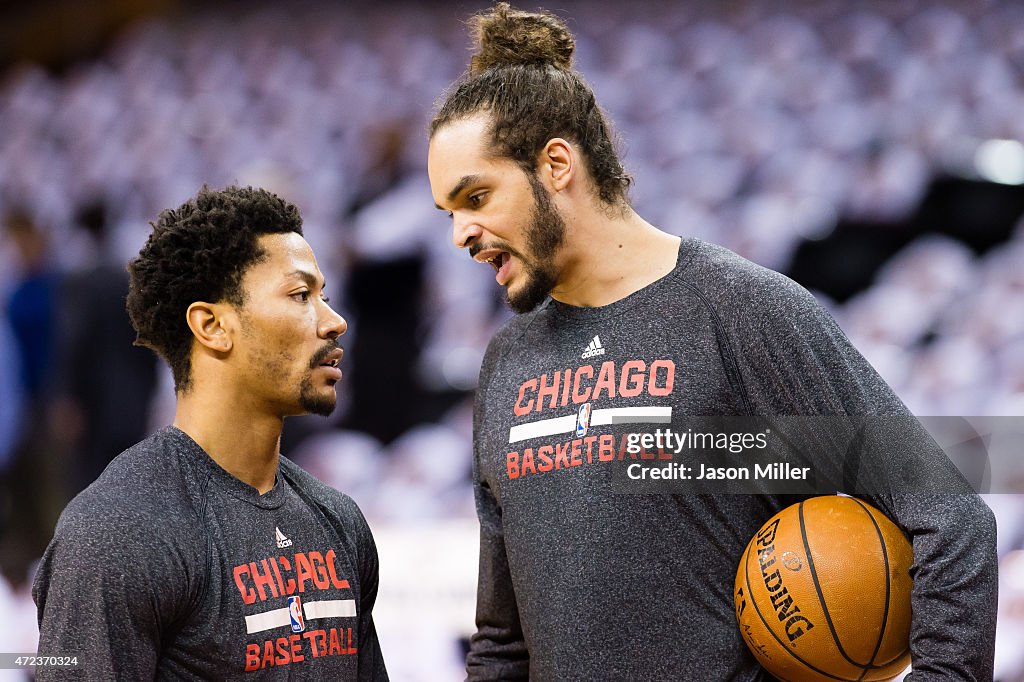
(594, 348)
(282, 541)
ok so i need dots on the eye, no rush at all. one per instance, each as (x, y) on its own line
(476, 199)
(325, 298)
(302, 296)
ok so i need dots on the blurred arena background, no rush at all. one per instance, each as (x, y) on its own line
(870, 150)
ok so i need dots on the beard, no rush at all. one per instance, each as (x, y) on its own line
(311, 401)
(544, 238)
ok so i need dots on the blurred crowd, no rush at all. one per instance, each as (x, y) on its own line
(754, 125)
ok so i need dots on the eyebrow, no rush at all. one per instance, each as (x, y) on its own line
(459, 186)
(308, 277)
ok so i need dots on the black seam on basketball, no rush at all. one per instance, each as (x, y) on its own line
(746, 577)
(895, 658)
(888, 587)
(821, 596)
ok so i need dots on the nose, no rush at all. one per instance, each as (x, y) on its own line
(332, 325)
(464, 231)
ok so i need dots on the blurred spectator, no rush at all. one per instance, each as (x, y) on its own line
(10, 399)
(104, 383)
(29, 488)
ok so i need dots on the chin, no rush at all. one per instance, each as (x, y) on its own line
(525, 298)
(324, 408)
(322, 403)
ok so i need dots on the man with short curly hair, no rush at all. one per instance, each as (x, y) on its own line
(201, 552)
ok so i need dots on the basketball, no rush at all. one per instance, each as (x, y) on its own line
(823, 593)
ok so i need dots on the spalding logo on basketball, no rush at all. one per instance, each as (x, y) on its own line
(823, 593)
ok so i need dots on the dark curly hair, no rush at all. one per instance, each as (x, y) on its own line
(199, 252)
(522, 76)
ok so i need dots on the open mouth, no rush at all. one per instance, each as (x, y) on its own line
(332, 358)
(498, 260)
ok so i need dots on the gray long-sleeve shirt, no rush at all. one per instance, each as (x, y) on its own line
(168, 567)
(579, 583)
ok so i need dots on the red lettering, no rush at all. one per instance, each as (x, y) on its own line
(283, 656)
(623, 448)
(520, 409)
(527, 463)
(296, 646)
(670, 377)
(605, 380)
(512, 463)
(277, 574)
(289, 585)
(578, 397)
(303, 571)
(312, 636)
(546, 390)
(590, 440)
(576, 460)
(335, 645)
(248, 595)
(561, 459)
(543, 454)
(252, 657)
(632, 385)
(339, 584)
(606, 445)
(352, 649)
(268, 654)
(320, 570)
(265, 579)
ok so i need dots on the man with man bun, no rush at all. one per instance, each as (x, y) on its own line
(577, 582)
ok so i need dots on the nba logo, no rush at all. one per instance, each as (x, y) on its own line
(295, 613)
(583, 420)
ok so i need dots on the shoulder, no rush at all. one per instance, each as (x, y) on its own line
(142, 495)
(336, 504)
(133, 531)
(518, 326)
(744, 293)
(725, 277)
(514, 335)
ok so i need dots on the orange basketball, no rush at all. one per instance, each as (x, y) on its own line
(823, 593)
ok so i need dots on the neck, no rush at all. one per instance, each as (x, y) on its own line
(242, 441)
(606, 258)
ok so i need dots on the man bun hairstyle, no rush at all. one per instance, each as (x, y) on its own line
(505, 36)
(522, 76)
(199, 251)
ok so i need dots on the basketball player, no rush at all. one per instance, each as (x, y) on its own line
(201, 552)
(576, 582)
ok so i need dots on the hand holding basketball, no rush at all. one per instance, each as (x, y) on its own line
(823, 593)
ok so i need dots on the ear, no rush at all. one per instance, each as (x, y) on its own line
(209, 325)
(556, 164)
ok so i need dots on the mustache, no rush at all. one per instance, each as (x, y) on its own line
(322, 354)
(474, 249)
